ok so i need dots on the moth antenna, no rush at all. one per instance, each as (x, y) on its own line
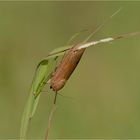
(75, 35)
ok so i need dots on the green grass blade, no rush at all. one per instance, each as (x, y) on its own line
(32, 102)
(26, 116)
(43, 76)
(39, 83)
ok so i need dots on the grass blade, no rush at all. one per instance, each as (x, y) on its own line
(30, 107)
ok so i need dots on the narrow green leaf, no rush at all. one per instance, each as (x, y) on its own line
(39, 83)
(32, 102)
(26, 116)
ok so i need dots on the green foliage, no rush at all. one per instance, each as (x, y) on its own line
(33, 99)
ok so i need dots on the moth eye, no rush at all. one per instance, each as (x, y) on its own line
(50, 87)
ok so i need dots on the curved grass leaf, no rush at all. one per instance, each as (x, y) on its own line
(37, 84)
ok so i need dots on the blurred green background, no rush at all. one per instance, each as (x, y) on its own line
(105, 87)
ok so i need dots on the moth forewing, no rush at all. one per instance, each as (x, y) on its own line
(66, 68)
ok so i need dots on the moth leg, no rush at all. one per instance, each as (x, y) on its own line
(55, 97)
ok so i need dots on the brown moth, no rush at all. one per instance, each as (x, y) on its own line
(65, 68)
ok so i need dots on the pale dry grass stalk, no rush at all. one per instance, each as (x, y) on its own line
(50, 121)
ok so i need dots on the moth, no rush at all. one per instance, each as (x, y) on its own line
(65, 68)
